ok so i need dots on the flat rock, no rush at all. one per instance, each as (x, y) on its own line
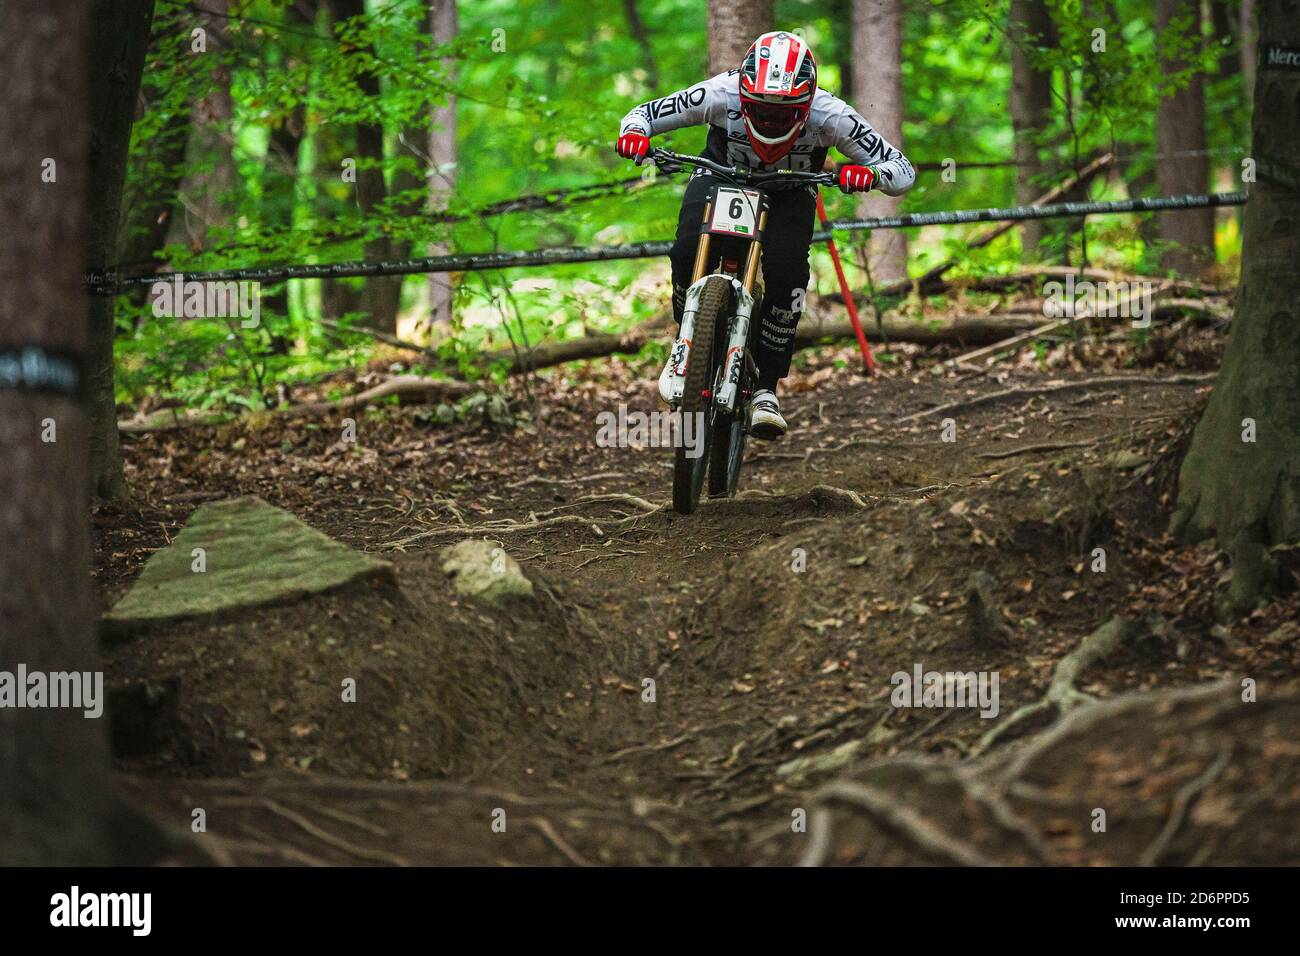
(482, 569)
(1125, 460)
(254, 554)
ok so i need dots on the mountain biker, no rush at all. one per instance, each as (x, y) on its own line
(769, 114)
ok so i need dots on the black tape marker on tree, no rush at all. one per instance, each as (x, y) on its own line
(1272, 168)
(35, 368)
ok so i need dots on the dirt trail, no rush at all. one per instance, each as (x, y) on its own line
(770, 626)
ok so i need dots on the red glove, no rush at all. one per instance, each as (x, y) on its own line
(633, 146)
(856, 179)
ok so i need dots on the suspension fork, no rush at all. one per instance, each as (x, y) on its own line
(690, 306)
(755, 254)
(738, 341)
(702, 248)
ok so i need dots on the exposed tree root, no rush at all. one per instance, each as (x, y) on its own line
(506, 526)
(603, 556)
(1045, 446)
(544, 827)
(647, 748)
(1081, 719)
(817, 494)
(1062, 696)
(316, 832)
(581, 479)
(1186, 795)
(632, 500)
(892, 815)
(1017, 801)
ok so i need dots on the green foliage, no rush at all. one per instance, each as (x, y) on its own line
(540, 87)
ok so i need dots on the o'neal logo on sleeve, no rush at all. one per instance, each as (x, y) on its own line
(672, 105)
(1278, 56)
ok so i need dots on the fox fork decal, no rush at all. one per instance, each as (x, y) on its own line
(736, 344)
(681, 351)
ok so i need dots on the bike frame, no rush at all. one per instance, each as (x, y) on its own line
(727, 391)
(736, 207)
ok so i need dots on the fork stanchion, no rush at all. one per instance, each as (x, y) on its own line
(844, 288)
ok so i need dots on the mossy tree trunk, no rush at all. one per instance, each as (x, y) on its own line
(1030, 105)
(1247, 493)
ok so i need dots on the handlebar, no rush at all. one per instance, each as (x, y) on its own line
(671, 162)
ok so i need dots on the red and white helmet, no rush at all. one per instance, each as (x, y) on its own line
(777, 81)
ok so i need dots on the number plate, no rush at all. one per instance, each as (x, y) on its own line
(735, 211)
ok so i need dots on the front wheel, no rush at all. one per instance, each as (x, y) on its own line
(726, 452)
(697, 408)
(730, 429)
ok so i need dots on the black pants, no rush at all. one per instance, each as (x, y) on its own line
(785, 268)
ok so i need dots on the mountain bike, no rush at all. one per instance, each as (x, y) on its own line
(713, 370)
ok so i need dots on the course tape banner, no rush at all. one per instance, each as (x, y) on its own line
(109, 284)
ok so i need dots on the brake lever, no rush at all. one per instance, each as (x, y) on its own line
(659, 159)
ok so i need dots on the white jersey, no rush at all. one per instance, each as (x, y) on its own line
(831, 122)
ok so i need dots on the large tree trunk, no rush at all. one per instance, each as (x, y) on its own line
(54, 772)
(1247, 493)
(1031, 108)
(121, 37)
(381, 294)
(733, 26)
(1137, 171)
(442, 155)
(1183, 166)
(1249, 41)
(878, 45)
